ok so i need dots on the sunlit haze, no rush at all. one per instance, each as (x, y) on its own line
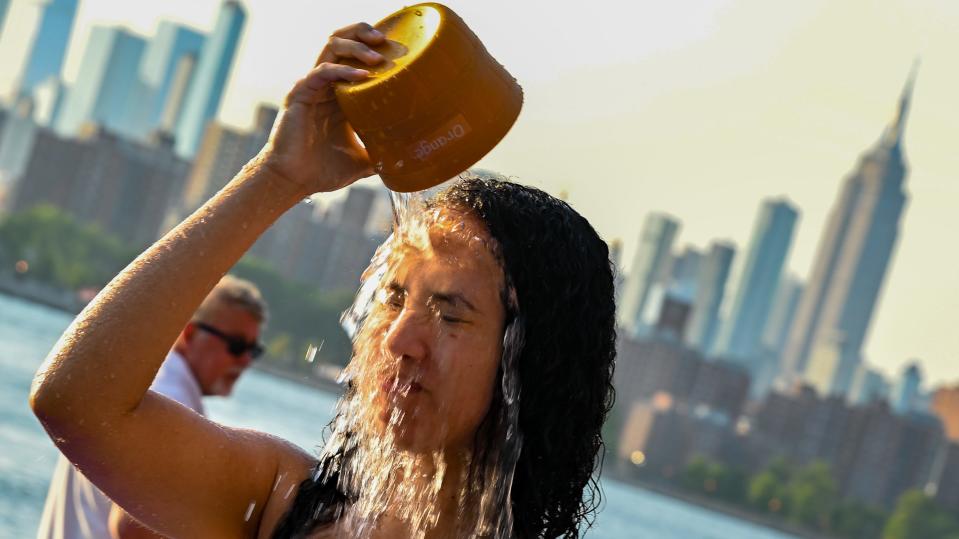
(697, 109)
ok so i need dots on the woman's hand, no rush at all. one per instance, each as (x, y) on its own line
(312, 145)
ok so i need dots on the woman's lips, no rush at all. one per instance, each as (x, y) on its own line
(394, 386)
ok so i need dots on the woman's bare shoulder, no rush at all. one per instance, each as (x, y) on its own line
(294, 464)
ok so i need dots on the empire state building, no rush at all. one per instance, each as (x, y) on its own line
(825, 343)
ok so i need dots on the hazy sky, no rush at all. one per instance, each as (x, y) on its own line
(699, 109)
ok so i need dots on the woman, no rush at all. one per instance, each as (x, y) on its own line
(480, 379)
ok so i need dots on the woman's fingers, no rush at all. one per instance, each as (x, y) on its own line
(315, 87)
(360, 32)
(347, 48)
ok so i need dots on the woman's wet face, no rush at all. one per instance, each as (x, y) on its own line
(435, 333)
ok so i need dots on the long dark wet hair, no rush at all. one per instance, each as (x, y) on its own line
(560, 272)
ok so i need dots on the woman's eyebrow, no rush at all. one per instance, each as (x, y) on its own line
(454, 298)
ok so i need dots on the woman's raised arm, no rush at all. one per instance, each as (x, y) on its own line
(170, 468)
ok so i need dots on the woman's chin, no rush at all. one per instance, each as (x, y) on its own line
(405, 431)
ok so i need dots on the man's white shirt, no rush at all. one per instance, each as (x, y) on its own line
(75, 507)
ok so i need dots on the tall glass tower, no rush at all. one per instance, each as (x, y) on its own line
(171, 47)
(105, 92)
(45, 55)
(4, 7)
(740, 338)
(649, 264)
(851, 263)
(209, 78)
(710, 289)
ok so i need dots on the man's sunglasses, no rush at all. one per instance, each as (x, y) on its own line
(234, 345)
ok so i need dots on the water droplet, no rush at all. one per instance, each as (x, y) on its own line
(312, 350)
(308, 200)
(418, 13)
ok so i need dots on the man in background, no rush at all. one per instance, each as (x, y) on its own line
(208, 357)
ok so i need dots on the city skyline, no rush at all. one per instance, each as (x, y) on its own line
(756, 111)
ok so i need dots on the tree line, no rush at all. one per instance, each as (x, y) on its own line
(809, 497)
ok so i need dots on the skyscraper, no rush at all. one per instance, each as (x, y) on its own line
(782, 314)
(853, 256)
(209, 78)
(740, 337)
(105, 90)
(172, 44)
(684, 272)
(652, 255)
(868, 385)
(49, 46)
(710, 288)
(4, 7)
(905, 396)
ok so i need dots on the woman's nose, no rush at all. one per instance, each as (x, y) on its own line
(407, 337)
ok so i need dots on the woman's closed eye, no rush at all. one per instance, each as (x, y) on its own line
(393, 297)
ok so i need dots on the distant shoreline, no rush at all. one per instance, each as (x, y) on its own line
(34, 292)
(717, 506)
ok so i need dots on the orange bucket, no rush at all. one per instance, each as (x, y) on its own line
(436, 105)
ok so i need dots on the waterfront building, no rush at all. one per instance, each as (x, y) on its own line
(660, 436)
(328, 249)
(884, 454)
(659, 364)
(122, 186)
(945, 404)
(943, 486)
(209, 78)
(225, 150)
(710, 290)
(799, 424)
(853, 256)
(44, 54)
(740, 338)
(106, 91)
(875, 454)
(649, 265)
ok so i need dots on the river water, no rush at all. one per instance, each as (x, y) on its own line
(292, 411)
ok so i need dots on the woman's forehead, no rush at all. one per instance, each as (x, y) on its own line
(449, 239)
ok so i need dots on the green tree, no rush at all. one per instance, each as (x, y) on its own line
(857, 521)
(59, 250)
(714, 479)
(813, 496)
(307, 314)
(767, 490)
(918, 517)
(695, 476)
